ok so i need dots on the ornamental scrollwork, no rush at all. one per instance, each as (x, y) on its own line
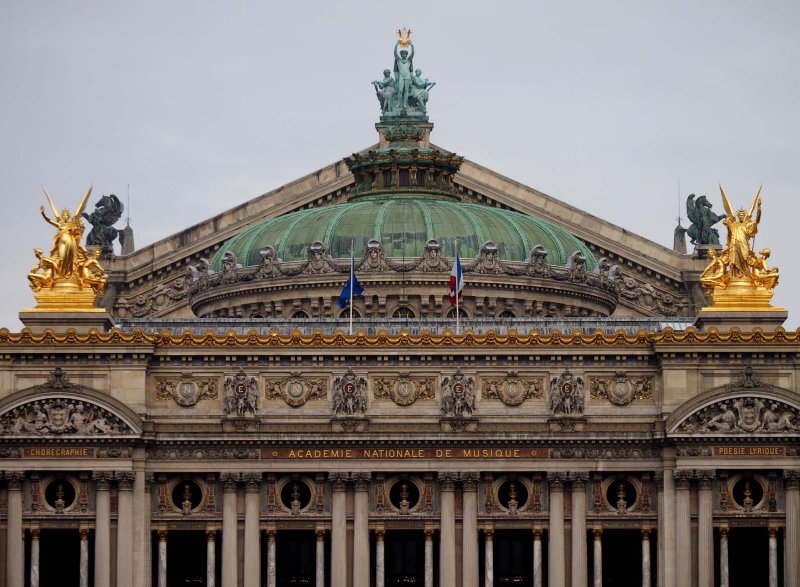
(748, 380)
(566, 394)
(241, 394)
(295, 389)
(404, 390)
(61, 417)
(458, 395)
(511, 389)
(187, 389)
(349, 395)
(744, 415)
(620, 390)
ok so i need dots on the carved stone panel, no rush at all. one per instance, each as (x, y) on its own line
(63, 417)
(295, 389)
(187, 389)
(458, 395)
(744, 415)
(404, 390)
(566, 394)
(241, 394)
(349, 395)
(620, 390)
(511, 389)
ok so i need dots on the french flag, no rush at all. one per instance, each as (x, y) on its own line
(456, 282)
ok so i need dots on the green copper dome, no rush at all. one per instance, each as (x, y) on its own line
(403, 224)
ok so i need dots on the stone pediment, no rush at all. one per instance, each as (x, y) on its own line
(745, 407)
(59, 408)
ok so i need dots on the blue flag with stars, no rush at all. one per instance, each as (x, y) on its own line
(351, 289)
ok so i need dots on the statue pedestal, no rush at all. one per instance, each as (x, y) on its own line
(567, 423)
(66, 305)
(241, 424)
(746, 320)
(458, 424)
(349, 424)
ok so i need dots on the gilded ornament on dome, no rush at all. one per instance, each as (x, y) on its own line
(70, 278)
(737, 277)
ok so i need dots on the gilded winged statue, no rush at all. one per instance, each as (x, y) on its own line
(737, 262)
(68, 260)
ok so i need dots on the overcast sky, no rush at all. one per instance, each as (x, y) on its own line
(199, 106)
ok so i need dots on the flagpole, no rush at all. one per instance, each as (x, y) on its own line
(458, 292)
(352, 279)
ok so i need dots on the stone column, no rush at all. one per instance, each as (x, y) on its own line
(84, 560)
(125, 480)
(252, 549)
(102, 529)
(773, 557)
(230, 529)
(148, 531)
(537, 557)
(162, 558)
(361, 566)
(646, 581)
(488, 556)
(668, 544)
(579, 563)
(598, 557)
(555, 554)
(320, 576)
(34, 557)
(380, 579)
(683, 528)
(724, 578)
(339, 528)
(428, 557)
(15, 545)
(211, 558)
(469, 532)
(705, 530)
(140, 531)
(791, 555)
(271, 562)
(447, 532)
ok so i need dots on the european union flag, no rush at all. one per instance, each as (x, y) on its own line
(351, 289)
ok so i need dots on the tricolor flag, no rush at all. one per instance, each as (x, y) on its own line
(351, 289)
(456, 282)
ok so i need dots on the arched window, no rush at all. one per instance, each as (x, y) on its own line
(507, 314)
(300, 314)
(346, 313)
(451, 313)
(403, 312)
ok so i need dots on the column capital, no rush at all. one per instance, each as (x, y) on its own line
(125, 480)
(230, 481)
(35, 532)
(15, 480)
(162, 535)
(102, 479)
(658, 477)
(723, 532)
(338, 481)
(271, 534)
(488, 533)
(252, 482)
(320, 534)
(84, 532)
(379, 534)
(211, 535)
(447, 480)
(773, 532)
(646, 533)
(791, 479)
(428, 534)
(149, 479)
(537, 534)
(598, 533)
(579, 479)
(361, 480)
(705, 478)
(556, 480)
(469, 480)
(682, 478)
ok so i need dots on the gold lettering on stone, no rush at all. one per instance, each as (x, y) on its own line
(749, 451)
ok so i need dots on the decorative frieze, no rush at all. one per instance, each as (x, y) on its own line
(744, 415)
(511, 389)
(61, 417)
(187, 389)
(404, 390)
(295, 389)
(621, 389)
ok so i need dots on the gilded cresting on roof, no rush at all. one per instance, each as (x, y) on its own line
(382, 339)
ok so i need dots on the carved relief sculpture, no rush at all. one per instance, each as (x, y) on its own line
(566, 394)
(295, 389)
(404, 390)
(61, 417)
(241, 394)
(511, 389)
(744, 415)
(349, 395)
(187, 389)
(620, 390)
(458, 395)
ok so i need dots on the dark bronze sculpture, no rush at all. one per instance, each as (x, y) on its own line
(701, 231)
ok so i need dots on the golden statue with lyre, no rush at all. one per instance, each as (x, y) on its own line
(737, 278)
(70, 279)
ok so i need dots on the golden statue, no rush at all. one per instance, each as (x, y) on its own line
(69, 279)
(405, 37)
(737, 278)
